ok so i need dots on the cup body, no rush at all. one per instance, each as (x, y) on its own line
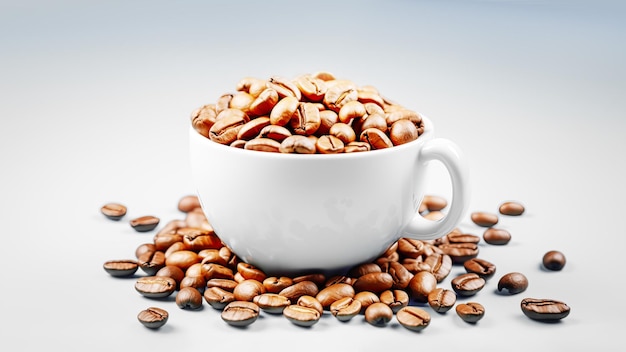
(292, 213)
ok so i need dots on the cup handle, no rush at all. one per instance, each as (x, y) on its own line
(449, 154)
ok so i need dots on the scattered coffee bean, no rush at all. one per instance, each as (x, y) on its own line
(460, 252)
(113, 211)
(513, 283)
(483, 268)
(395, 299)
(467, 284)
(189, 298)
(441, 300)
(151, 262)
(155, 286)
(188, 203)
(544, 309)
(144, 223)
(470, 312)
(496, 236)
(345, 308)
(153, 317)
(240, 313)
(378, 314)
(271, 302)
(511, 208)
(421, 285)
(301, 315)
(484, 219)
(553, 260)
(121, 268)
(413, 318)
(217, 297)
(310, 302)
(332, 293)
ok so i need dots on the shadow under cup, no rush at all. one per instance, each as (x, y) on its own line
(294, 213)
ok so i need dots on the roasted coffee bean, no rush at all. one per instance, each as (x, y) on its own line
(318, 278)
(553, 260)
(411, 248)
(413, 318)
(284, 87)
(378, 314)
(343, 131)
(333, 293)
(402, 131)
(460, 252)
(188, 203)
(252, 128)
(421, 285)
(249, 271)
(366, 298)
(513, 283)
(275, 284)
(395, 299)
(310, 302)
(351, 110)
(283, 111)
(203, 118)
(458, 237)
(151, 262)
(163, 241)
(217, 297)
(227, 126)
(484, 219)
(121, 268)
(295, 291)
(175, 247)
(216, 271)
(241, 101)
(252, 86)
(364, 268)
(153, 317)
(355, 147)
(182, 259)
(345, 308)
(263, 145)
(225, 284)
(189, 298)
(338, 94)
(263, 103)
(328, 144)
(376, 138)
(113, 211)
(544, 309)
(144, 248)
(327, 119)
(339, 279)
(196, 282)
(297, 144)
(301, 315)
(374, 282)
(483, 268)
(467, 284)
(403, 114)
(400, 275)
(172, 271)
(240, 313)
(311, 87)
(248, 289)
(441, 300)
(144, 223)
(440, 265)
(470, 312)
(511, 208)
(271, 302)
(155, 286)
(434, 203)
(496, 236)
(306, 120)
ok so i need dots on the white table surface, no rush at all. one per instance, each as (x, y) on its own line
(95, 100)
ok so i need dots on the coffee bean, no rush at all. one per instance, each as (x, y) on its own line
(189, 298)
(544, 309)
(151, 262)
(395, 299)
(364, 268)
(198, 239)
(295, 291)
(356, 146)
(467, 284)
(113, 211)
(196, 282)
(144, 248)
(182, 259)
(351, 110)
(249, 271)
(121, 268)
(378, 314)
(155, 286)
(402, 131)
(511, 208)
(460, 252)
(248, 289)
(203, 118)
(306, 120)
(470, 312)
(513, 283)
(271, 302)
(227, 125)
(311, 87)
(188, 203)
(367, 298)
(328, 144)
(333, 293)
(458, 237)
(225, 284)
(374, 282)
(263, 103)
(318, 278)
(174, 272)
(144, 223)
(297, 144)
(284, 87)
(217, 297)
(343, 131)
(440, 265)
(441, 300)
(153, 317)
(376, 138)
(413, 318)
(310, 302)
(483, 268)
(301, 315)
(553, 260)
(275, 284)
(484, 219)
(345, 308)
(496, 236)
(434, 203)
(339, 94)
(421, 285)
(240, 313)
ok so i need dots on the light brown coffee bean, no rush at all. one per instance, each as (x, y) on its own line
(189, 298)
(411, 248)
(458, 237)
(373, 282)
(351, 110)
(263, 145)
(339, 93)
(345, 308)
(363, 268)
(343, 131)
(484, 219)
(272, 303)
(378, 314)
(155, 286)
(263, 103)
(421, 285)
(227, 126)
(434, 202)
(375, 120)
(182, 259)
(513, 283)
(376, 138)
(197, 282)
(153, 317)
(306, 120)
(174, 272)
(355, 147)
(203, 118)
(144, 223)
(511, 208)
(121, 268)
(283, 111)
(301, 316)
(413, 318)
(151, 262)
(241, 101)
(225, 284)
(240, 313)
(467, 284)
(223, 103)
(295, 291)
(496, 236)
(297, 144)
(248, 289)
(144, 248)
(327, 119)
(400, 274)
(216, 271)
(402, 131)
(440, 265)
(113, 211)
(395, 299)
(481, 267)
(328, 144)
(218, 298)
(252, 128)
(311, 87)
(188, 203)
(198, 239)
(275, 284)
(251, 85)
(366, 298)
(470, 312)
(310, 302)
(284, 87)
(441, 300)
(329, 294)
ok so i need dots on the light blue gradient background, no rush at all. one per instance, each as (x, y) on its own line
(94, 105)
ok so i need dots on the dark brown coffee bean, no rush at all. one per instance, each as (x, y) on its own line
(295, 291)
(467, 284)
(470, 312)
(511, 208)
(544, 309)
(345, 308)
(240, 313)
(483, 268)
(411, 248)
(189, 298)
(121, 268)
(318, 278)
(151, 262)
(364, 268)
(155, 286)
(217, 297)
(113, 211)
(153, 317)
(484, 219)
(460, 252)
(378, 314)
(301, 315)
(441, 300)
(248, 289)
(553, 260)
(271, 302)
(421, 285)
(188, 203)
(374, 282)
(332, 293)
(144, 223)
(496, 236)
(310, 302)
(395, 299)
(513, 283)
(413, 318)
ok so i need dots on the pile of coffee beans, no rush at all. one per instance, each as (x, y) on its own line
(187, 258)
(309, 114)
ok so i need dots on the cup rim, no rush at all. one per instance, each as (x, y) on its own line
(428, 131)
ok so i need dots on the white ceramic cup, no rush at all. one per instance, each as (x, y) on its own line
(293, 213)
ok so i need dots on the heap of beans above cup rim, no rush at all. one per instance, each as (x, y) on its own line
(187, 258)
(309, 114)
